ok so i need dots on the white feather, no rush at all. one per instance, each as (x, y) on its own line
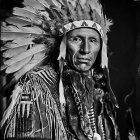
(17, 21)
(33, 29)
(61, 2)
(31, 9)
(5, 36)
(44, 3)
(10, 46)
(38, 13)
(35, 49)
(34, 3)
(104, 59)
(14, 99)
(28, 67)
(39, 55)
(17, 66)
(56, 3)
(72, 11)
(33, 17)
(36, 21)
(62, 51)
(20, 64)
(94, 4)
(20, 42)
(24, 12)
(62, 97)
(33, 63)
(14, 51)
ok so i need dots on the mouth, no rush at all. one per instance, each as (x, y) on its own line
(83, 60)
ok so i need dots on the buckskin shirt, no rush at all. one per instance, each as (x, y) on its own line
(37, 114)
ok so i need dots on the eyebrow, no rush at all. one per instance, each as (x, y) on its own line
(78, 35)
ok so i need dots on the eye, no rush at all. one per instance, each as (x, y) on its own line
(76, 39)
(92, 40)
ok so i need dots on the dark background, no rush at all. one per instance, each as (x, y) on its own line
(124, 56)
(124, 59)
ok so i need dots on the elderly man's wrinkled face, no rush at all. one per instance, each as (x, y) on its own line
(83, 45)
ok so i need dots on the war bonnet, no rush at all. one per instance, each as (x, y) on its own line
(30, 33)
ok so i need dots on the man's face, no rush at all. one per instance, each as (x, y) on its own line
(83, 45)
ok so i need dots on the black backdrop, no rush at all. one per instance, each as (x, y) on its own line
(124, 54)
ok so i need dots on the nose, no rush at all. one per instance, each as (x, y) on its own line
(85, 48)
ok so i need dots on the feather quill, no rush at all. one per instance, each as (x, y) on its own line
(32, 10)
(44, 3)
(17, 21)
(5, 36)
(18, 43)
(33, 29)
(27, 12)
(37, 21)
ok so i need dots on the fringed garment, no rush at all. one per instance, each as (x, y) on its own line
(35, 108)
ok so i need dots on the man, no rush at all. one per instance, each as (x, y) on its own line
(72, 101)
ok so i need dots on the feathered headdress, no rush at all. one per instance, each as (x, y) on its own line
(29, 35)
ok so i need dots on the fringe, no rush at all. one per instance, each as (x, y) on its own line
(20, 114)
(14, 100)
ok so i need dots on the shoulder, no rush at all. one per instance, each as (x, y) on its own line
(47, 74)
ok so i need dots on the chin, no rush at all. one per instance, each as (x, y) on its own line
(83, 68)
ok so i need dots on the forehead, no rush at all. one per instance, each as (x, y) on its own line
(88, 32)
